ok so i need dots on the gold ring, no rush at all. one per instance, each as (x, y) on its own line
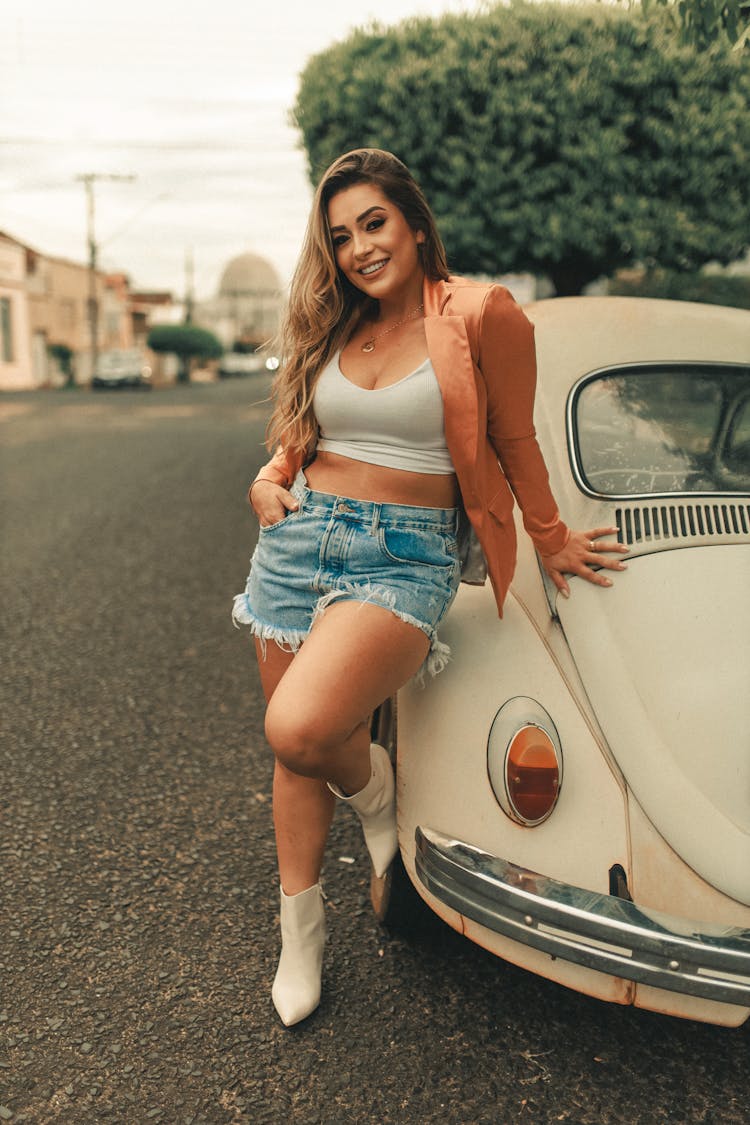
(593, 544)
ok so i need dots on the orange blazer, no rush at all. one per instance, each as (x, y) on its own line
(482, 349)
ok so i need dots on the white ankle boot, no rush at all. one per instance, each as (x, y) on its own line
(296, 987)
(375, 805)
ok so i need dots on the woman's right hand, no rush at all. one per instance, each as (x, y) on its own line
(270, 502)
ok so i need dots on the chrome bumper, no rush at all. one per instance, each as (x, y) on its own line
(595, 930)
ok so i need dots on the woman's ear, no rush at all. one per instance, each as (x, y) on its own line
(421, 236)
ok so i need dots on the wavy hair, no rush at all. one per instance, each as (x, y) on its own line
(323, 305)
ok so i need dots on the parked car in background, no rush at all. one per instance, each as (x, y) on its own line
(121, 369)
(574, 789)
(233, 364)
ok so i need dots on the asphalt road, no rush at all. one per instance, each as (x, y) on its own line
(138, 889)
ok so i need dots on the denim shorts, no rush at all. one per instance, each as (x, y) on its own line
(402, 558)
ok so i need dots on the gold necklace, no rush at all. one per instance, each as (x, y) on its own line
(369, 345)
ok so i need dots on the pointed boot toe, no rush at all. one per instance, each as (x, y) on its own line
(296, 987)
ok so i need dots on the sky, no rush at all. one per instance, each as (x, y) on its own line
(192, 100)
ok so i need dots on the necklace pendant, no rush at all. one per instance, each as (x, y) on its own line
(368, 346)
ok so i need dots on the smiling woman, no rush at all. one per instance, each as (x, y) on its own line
(388, 454)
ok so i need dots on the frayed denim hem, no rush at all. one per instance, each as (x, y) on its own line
(288, 640)
(439, 653)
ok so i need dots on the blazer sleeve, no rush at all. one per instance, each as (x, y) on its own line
(278, 470)
(507, 360)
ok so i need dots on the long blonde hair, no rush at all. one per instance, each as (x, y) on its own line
(323, 305)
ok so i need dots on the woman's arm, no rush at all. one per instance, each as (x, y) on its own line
(507, 359)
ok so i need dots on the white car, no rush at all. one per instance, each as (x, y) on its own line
(119, 369)
(241, 363)
(574, 789)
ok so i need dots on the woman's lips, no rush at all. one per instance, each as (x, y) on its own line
(372, 268)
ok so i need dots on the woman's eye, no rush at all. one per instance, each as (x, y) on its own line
(375, 223)
(339, 240)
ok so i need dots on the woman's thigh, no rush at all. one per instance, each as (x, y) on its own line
(273, 663)
(356, 655)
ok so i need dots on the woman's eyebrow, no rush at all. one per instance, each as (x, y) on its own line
(377, 207)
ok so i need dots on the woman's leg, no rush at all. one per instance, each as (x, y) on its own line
(302, 806)
(317, 722)
(356, 655)
(302, 811)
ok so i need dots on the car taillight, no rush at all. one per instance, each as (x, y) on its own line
(524, 761)
(532, 775)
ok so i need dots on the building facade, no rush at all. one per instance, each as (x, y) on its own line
(246, 309)
(15, 333)
(45, 326)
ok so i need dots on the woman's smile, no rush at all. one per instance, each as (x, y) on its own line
(374, 267)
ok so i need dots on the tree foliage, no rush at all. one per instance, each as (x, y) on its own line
(702, 22)
(186, 341)
(706, 288)
(63, 354)
(564, 141)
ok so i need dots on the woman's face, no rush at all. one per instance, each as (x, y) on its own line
(375, 247)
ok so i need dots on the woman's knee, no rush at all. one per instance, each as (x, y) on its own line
(302, 743)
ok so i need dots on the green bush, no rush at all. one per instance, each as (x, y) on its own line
(187, 341)
(64, 357)
(708, 289)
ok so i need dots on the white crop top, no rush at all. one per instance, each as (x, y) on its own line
(400, 426)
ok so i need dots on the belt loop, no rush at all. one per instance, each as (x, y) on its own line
(375, 519)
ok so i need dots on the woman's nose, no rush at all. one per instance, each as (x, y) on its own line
(362, 244)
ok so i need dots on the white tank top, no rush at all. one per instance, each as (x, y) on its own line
(400, 426)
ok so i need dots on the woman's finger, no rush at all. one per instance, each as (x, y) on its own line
(597, 541)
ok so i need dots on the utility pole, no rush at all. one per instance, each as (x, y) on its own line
(189, 293)
(88, 179)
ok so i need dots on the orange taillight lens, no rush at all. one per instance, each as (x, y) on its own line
(532, 774)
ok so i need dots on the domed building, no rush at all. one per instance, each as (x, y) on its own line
(247, 305)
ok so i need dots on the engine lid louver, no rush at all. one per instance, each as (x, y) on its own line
(670, 524)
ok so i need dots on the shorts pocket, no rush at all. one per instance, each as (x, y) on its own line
(420, 546)
(269, 527)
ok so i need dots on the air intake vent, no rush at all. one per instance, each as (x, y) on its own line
(666, 522)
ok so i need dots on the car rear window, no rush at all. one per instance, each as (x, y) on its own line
(662, 429)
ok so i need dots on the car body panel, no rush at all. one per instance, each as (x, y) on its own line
(674, 634)
(442, 742)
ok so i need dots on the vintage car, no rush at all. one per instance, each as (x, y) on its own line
(574, 789)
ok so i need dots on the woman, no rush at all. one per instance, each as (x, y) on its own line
(400, 390)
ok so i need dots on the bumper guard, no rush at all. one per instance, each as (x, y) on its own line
(595, 930)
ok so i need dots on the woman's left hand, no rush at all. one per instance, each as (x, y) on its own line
(584, 550)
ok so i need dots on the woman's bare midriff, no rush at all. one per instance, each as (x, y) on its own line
(342, 476)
